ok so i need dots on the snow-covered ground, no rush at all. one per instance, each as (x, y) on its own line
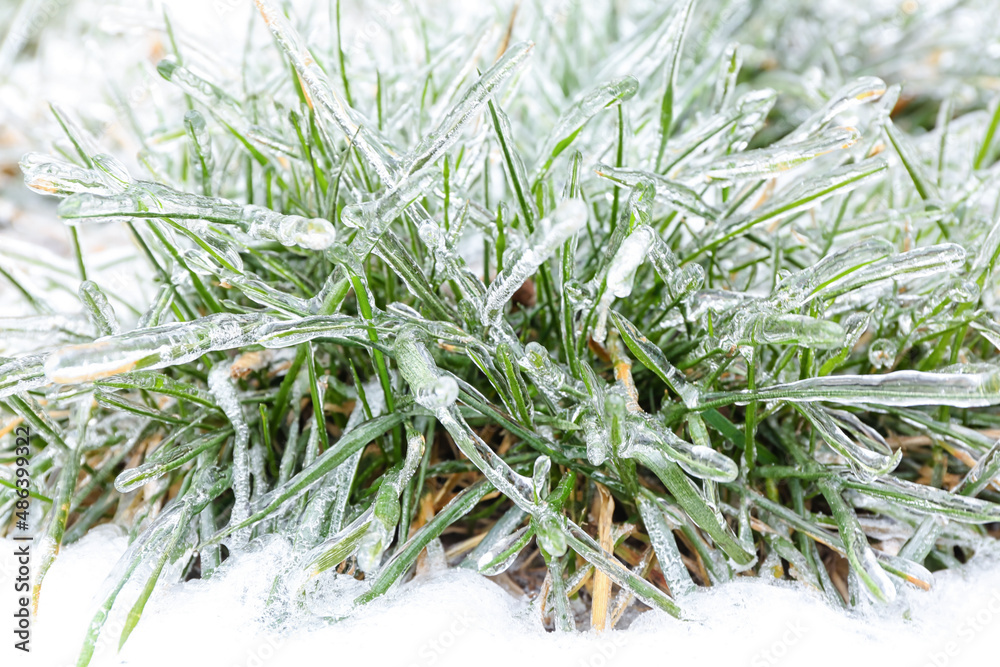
(458, 617)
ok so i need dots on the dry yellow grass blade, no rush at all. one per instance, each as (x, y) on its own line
(602, 584)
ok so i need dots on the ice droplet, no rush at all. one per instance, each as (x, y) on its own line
(431, 388)
(882, 353)
(289, 230)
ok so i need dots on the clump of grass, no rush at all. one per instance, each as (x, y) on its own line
(630, 306)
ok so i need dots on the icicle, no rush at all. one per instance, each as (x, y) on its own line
(621, 274)
(862, 91)
(980, 387)
(447, 131)
(50, 176)
(567, 219)
(331, 109)
(100, 311)
(145, 199)
(766, 162)
(167, 345)
(222, 388)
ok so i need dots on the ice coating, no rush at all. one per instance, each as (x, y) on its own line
(621, 274)
(145, 199)
(919, 263)
(795, 289)
(567, 219)
(203, 159)
(665, 545)
(543, 372)
(877, 584)
(431, 388)
(47, 175)
(332, 109)
(101, 313)
(672, 192)
(882, 353)
(162, 346)
(373, 218)
(649, 439)
(289, 230)
(221, 105)
(768, 328)
(867, 461)
(794, 332)
(978, 388)
(168, 456)
(22, 374)
(223, 390)
(763, 162)
(863, 90)
(435, 143)
(502, 555)
(805, 194)
(583, 109)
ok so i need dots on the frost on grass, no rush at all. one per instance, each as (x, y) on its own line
(609, 305)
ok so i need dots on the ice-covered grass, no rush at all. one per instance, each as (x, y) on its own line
(611, 303)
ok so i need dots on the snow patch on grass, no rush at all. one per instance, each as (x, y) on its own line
(458, 617)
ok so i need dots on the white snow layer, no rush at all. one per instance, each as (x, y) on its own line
(461, 618)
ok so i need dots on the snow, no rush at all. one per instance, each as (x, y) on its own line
(457, 617)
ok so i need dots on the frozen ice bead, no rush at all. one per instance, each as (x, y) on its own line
(289, 230)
